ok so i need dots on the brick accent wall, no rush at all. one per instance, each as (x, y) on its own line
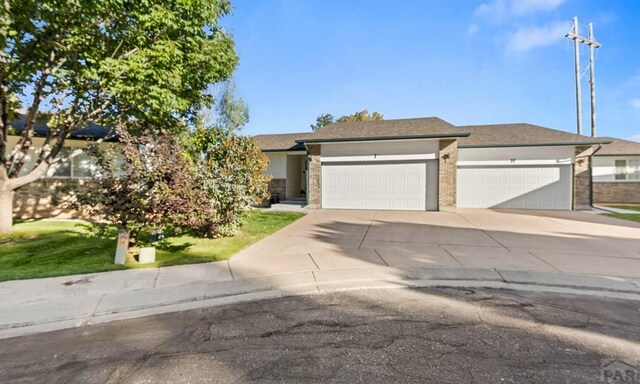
(314, 197)
(582, 178)
(447, 171)
(46, 198)
(278, 187)
(627, 192)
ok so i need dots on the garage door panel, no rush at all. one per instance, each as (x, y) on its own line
(396, 186)
(541, 187)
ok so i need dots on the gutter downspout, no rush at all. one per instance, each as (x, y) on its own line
(306, 175)
(591, 175)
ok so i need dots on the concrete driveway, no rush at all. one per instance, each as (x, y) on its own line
(552, 241)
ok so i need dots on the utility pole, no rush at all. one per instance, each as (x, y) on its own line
(592, 81)
(576, 54)
(577, 39)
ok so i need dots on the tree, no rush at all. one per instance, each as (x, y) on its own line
(232, 112)
(231, 168)
(231, 165)
(202, 180)
(323, 120)
(153, 187)
(363, 115)
(109, 62)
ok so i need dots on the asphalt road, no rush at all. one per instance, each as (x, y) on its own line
(369, 336)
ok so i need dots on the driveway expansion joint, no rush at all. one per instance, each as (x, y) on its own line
(381, 258)
(368, 228)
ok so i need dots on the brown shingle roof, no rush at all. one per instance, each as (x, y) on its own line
(282, 141)
(480, 135)
(401, 128)
(520, 134)
(619, 147)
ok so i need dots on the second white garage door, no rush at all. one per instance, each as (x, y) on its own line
(393, 186)
(524, 187)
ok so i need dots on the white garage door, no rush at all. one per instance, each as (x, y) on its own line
(525, 187)
(393, 186)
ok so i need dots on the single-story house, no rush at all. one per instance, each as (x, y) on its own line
(430, 164)
(38, 199)
(616, 172)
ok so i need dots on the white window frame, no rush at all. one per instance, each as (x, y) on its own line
(633, 169)
(627, 170)
(71, 168)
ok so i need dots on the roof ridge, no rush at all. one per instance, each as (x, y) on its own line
(501, 124)
(282, 134)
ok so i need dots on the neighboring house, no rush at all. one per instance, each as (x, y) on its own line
(429, 164)
(40, 198)
(616, 172)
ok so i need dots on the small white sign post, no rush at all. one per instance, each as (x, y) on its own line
(123, 246)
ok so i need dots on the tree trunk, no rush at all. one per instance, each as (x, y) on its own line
(6, 210)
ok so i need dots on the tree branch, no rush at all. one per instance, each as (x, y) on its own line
(4, 127)
(21, 149)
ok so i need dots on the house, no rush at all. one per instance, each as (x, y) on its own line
(39, 198)
(430, 164)
(616, 172)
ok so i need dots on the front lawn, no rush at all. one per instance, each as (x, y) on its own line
(629, 207)
(625, 216)
(45, 248)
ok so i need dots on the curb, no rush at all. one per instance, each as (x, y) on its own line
(103, 308)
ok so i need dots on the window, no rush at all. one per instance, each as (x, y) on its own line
(80, 167)
(621, 169)
(628, 169)
(633, 169)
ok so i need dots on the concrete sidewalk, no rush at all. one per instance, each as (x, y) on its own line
(329, 250)
(609, 209)
(73, 301)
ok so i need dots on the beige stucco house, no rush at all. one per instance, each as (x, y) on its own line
(429, 164)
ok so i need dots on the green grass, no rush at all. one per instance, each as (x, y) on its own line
(625, 216)
(630, 207)
(45, 248)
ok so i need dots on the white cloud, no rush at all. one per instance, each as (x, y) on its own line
(498, 10)
(472, 30)
(635, 103)
(527, 38)
(635, 138)
(495, 10)
(522, 7)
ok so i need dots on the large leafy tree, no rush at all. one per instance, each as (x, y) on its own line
(106, 61)
(364, 115)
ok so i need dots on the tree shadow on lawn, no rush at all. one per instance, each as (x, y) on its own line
(168, 247)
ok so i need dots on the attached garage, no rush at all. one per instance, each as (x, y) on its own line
(428, 164)
(516, 187)
(385, 185)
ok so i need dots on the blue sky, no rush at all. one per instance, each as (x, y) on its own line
(468, 62)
